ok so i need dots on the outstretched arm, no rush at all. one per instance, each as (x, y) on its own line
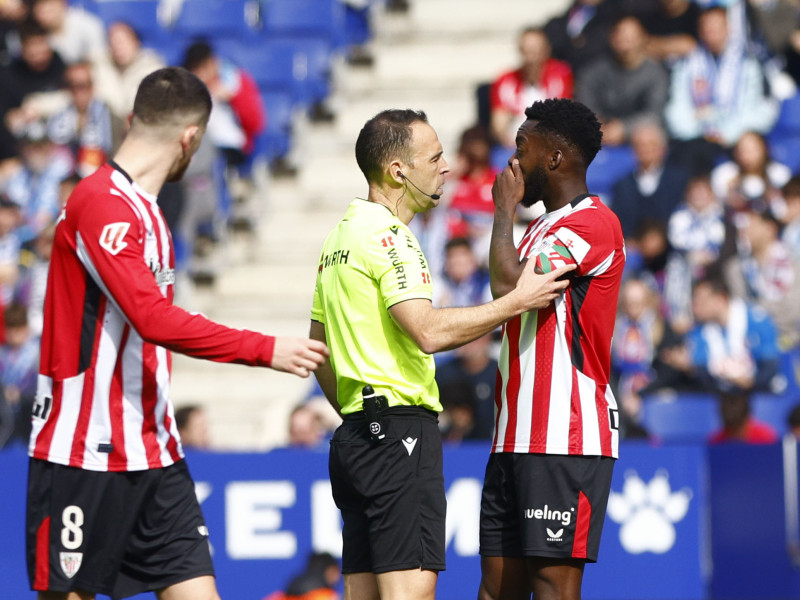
(435, 330)
(299, 356)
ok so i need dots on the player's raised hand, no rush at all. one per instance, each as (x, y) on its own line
(509, 187)
(538, 290)
(299, 356)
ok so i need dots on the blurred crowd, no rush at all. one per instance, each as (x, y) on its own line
(701, 162)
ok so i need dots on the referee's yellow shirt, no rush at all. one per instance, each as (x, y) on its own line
(371, 261)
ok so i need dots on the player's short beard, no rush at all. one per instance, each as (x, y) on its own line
(535, 183)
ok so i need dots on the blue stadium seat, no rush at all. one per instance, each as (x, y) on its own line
(143, 15)
(681, 418)
(786, 150)
(271, 64)
(609, 166)
(773, 410)
(321, 18)
(217, 18)
(276, 140)
(312, 66)
(788, 123)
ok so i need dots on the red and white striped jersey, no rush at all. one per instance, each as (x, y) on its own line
(102, 402)
(552, 393)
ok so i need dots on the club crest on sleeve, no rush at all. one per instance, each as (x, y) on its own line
(113, 237)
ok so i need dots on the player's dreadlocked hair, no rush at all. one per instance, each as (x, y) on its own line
(571, 122)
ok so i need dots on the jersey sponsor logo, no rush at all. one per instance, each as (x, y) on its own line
(554, 536)
(42, 406)
(165, 277)
(547, 514)
(410, 443)
(112, 238)
(337, 257)
(70, 562)
(399, 269)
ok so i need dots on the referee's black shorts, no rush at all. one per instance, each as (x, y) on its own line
(391, 493)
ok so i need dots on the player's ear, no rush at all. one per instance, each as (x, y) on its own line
(191, 137)
(555, 159)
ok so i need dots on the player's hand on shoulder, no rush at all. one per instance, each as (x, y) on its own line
(538, 290)
(299, 356)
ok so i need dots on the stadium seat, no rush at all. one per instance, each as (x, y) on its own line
(324, 19)
(609, 166)
(788, 123)
(681, 418)
(276, 139)
(773, 410)
(271, 64)
(145, 16)
(217, 18)
(786, 150)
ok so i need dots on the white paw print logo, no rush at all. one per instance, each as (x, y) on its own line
(648, 512)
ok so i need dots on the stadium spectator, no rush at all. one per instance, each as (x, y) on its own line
(733, 345)
(471, 200)
(34, 261)
(625, 87)
(306, 429)
(793, 421)
(76, 34)
(372, 303)
(647, 253)
(738, 425)
(654, 188)
(12, 13)
(751, 175)
(465, 281)
(671, 26)
(638, 331)
(319, 580)
(84, 126)
(19, 366)
(765, 272)
(34, 185)
(696, 232)
(10, 246)
(30, 86)
(466, 385)
(554, 363)
(717, 93)
(790, 196)
(580, 35)
(234, 90)
(120, 69)
(192, 423)
(112, 266)
(539, 76)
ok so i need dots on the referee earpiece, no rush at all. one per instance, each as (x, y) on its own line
(400, 174)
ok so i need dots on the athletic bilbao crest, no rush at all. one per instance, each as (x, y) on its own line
(70, 562)
(113, 237)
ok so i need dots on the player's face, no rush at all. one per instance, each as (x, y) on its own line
(532, 155)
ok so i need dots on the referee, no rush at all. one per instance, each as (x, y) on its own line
(372, 306)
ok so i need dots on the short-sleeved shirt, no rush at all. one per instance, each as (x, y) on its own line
(370, 262)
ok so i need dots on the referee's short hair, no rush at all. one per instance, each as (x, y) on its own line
(569, 122)
(386, 136)
(171, 95)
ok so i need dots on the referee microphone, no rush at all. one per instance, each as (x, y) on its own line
(432, 196)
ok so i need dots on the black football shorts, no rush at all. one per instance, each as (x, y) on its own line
(391, 492)
(111, 533)
(544, 505)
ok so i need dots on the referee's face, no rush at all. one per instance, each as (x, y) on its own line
(427, 169)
